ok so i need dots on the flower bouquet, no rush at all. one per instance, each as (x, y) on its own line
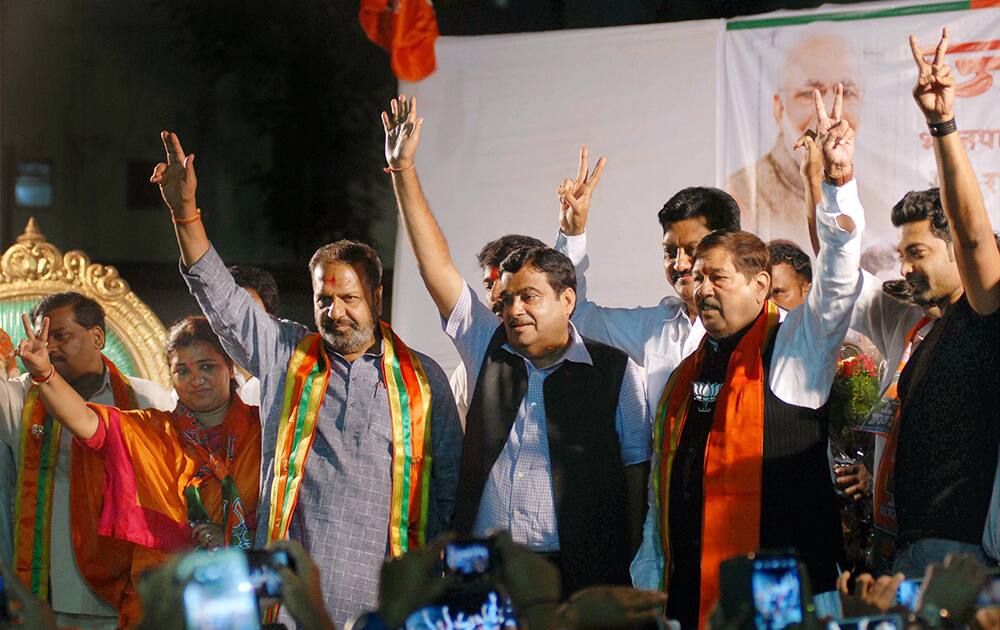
(854, 393)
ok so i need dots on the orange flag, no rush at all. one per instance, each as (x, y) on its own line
(407, 29)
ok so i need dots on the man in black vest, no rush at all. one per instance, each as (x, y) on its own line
(557, 438)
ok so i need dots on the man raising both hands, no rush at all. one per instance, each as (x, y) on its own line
(557, 436)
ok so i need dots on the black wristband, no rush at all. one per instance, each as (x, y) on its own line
(942, 129)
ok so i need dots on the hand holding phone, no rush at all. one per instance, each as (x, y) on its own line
(468, 559)
(217, 592)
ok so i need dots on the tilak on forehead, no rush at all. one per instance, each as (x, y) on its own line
(330, 280)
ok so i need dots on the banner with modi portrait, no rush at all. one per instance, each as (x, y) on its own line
(772, 64)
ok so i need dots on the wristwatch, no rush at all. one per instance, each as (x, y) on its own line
(839, 179)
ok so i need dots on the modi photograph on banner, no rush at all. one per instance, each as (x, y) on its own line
(772, 65)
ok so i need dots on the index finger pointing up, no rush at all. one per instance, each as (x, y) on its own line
(917, 55)
(29, 332)
(942, 47)
(44, 335)
(581, 172)
(821, 116)
(838, 101)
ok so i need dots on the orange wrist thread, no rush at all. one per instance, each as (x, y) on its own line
(187, 220)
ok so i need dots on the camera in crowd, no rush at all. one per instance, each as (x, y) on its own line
(228, 588)
(771, 582)
(476, 600)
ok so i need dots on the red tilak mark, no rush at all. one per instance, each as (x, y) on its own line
(330, 281)
(494, 273)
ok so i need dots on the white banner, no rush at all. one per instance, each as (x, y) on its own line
(676, 105)
(773, 64)
(505, 117)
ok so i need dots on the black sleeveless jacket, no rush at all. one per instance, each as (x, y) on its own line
(588, 480)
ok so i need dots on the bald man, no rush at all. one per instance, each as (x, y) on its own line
(771, 193)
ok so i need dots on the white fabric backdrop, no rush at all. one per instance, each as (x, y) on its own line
(673, 105)
(504, 120)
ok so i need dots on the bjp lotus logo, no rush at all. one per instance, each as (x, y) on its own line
(706, 393)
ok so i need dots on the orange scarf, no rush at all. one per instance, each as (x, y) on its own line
(40, 436)
(733, 456)
(148, 465)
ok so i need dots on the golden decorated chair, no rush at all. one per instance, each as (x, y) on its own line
(33, 268)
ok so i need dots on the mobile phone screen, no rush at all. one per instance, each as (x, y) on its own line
(468, 558)
(887, 622)
(777, 592)
(483, 610)
(218, 594)
(908, 593)
(265, 579)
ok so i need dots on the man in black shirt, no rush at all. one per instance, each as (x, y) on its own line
(948, 427)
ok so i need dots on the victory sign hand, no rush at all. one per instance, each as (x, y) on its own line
(176, 177)
(834, 135)
(935, 88)
(33, 349)
(402, 132)
(574, 196)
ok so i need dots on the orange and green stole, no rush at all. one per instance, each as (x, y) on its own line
(39, 447)
(409, 396)
(733, 456)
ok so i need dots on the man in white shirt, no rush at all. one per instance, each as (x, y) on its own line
(655, 337)
(556, 446)
(77, 335)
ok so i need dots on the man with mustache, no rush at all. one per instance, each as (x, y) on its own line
(655, 337)
(45, 556)
(936, 425)
(791, 274)
(741, 433)
(556, 444)
(361, 440)
(489, 259)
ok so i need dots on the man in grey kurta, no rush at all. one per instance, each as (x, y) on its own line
(342, 516)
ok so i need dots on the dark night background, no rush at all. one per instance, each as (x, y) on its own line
(279, 100)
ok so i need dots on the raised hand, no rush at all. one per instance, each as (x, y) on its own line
(834, 135)
(176, 178)
(935, 88)
(402, 132)
(574, 196)
(33, 350)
